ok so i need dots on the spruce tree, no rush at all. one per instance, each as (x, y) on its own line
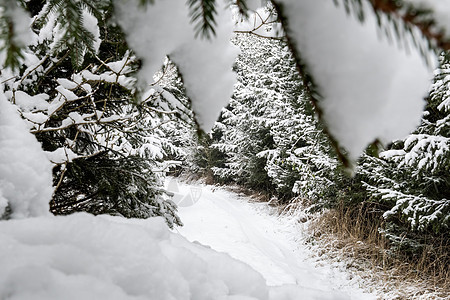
(78, 96)
(412, 177)
(268, 134)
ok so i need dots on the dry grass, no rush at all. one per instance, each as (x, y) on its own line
(351, 235)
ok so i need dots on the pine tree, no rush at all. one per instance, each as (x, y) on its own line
(178, 129)
(398, 19)
(108, 152)
(268, 134)
(63, 64)
(412, 177)
(246, 126)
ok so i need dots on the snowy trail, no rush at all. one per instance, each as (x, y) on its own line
(249, 232)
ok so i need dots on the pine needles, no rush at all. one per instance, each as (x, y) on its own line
(203, 14)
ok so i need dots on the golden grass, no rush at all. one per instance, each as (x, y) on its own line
(351, 235)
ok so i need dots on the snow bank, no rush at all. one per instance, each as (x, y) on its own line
(164, 28)
(372, 88)
(86, 257)
(25, 172)
(82, 256)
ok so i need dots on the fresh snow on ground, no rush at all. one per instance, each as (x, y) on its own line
(82, 256)
(254, 234)
(86, 257)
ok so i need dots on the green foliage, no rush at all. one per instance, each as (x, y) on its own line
(10, 43)
(203, 16)
(70, 16)
(108, 153)
(116, 186)
(267, 138)
(411, 179)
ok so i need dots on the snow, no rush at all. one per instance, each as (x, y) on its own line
(23, 35)
(46, 33)
(164, 29)
(421, 152)
(25, 172)
(440, 9)
(69, 95)
(86, 257)
(36, 118)
(121, 66)
(91, 24)
(29, 103)
(82, 256)
(67, 84)
(372, 88)
(61, 155)
(420, 212)
(251, 233)
(109, 76)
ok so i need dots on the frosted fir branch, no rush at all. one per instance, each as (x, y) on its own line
(203, 13)
(445, 105)
(160, 111)
(426, 153)
(71, 122)
(30, 70)
(380, 172)
(422, 18)
(419, 212)
(52, 66)
(225, 173)
(121, 67)
(168, 93)
(411, 16)
(75, 28)
(225, 147)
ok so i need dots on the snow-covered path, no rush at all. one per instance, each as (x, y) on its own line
(82, 256)
(250, 233)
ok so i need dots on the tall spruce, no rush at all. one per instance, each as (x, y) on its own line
(268, 134)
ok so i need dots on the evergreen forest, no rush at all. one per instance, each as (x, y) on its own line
(114, 98)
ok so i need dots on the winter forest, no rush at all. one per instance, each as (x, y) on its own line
(224, 149)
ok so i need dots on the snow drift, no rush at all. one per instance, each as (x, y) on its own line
(87, 257)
